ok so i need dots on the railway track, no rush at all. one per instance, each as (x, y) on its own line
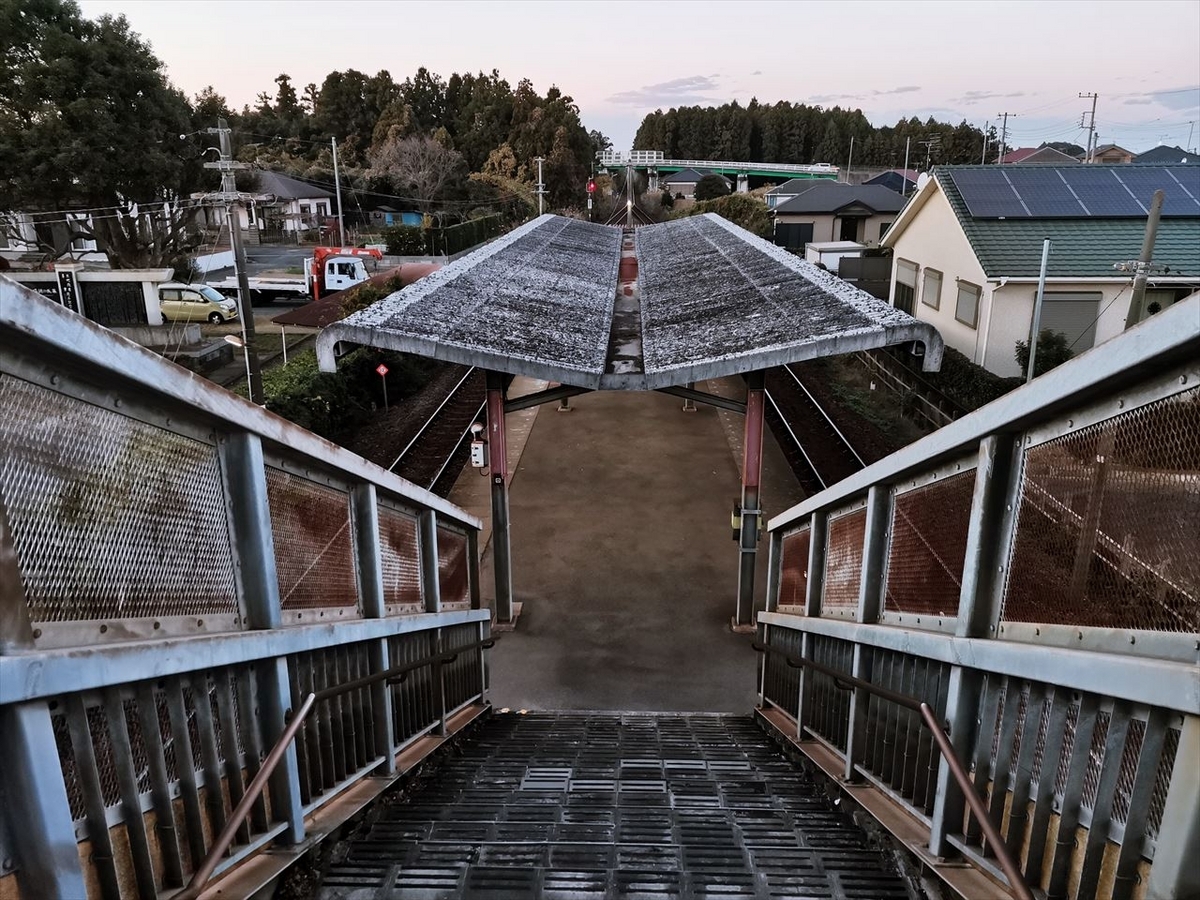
(438, 450)
(819, 453)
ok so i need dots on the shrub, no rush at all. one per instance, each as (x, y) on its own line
(332, 404)
(710, 187)
(741, 209)
(1052, 350)
(666, 200)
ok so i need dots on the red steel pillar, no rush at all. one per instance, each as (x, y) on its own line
(498, 466)
(751, 512)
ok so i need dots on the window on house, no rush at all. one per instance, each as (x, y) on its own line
(883, 229)
(1074, 314)
(931, 290)
(966, 309)
(906, 285)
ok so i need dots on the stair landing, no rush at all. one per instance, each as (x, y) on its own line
(604, 806)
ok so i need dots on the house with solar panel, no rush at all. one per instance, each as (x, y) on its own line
(967, 252)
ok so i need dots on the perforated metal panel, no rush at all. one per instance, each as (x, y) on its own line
(1109, 526)
(843, 561)
(453, 576)
(928, 545)
(313, 555)
(793, 568)
(112, 518)
(400, 562)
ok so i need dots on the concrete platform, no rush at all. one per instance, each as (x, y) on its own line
(623, 557)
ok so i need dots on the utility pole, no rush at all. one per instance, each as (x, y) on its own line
(986, 129)
(850, 159)
(1003, 134)
(1142, 267)
(232, 199)
(541, 188)
(1091, 127)
(1037, 310)
(907, 144)
(337, 183)
(934, 140)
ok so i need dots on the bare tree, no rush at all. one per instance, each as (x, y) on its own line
(419, 165)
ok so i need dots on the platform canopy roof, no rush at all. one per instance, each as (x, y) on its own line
(711, 300)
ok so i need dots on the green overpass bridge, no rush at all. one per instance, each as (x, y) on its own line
(654, 160)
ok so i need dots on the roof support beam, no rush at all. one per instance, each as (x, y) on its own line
(549, 395)
(736, 406)
(498, 464)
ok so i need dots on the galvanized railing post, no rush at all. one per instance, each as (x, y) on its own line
(870, 602)
(44, 839)
(254, 554)
(431, 588)
(1175, 872)
(365, 510)
(988, 540)
(817, 535)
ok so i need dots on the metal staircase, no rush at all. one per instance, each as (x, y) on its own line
(585, 805)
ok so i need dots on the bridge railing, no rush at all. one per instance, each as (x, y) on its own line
(1032, 571)
(178, 569)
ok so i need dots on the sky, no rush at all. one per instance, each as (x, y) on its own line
(619, 61)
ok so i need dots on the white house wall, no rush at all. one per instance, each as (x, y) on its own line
(826, 228)
(935, 240)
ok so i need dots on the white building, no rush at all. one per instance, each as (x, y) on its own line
(967, 251)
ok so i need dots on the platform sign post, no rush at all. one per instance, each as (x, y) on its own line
(383, 370)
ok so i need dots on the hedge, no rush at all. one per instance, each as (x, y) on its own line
(413, 240)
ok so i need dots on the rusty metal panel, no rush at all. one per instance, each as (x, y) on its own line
(793, 573)
(112, 518)
(399, 561)
(313, 552)
(1108, 526)
(928, 547)
(843, 562)
(453, 576)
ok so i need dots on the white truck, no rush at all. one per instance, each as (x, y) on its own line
(329, 269)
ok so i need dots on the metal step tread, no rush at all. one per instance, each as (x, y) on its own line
(606, 806)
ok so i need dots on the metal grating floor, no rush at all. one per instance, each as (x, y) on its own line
(562, 805)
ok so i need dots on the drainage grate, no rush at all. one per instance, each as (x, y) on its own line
(558, 806)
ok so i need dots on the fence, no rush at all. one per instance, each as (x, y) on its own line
(178, 570)
(413, 240)
(1032, 571)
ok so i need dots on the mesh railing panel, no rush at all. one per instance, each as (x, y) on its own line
(843, 561)
(928, 546)
(338, 737)
(826, 705)
(400, 562)
(1162, 781)
(1129, 763)
(1108, 524)
(66, 759)
(453, 576)
(793, 568)
(111, 518)
(313, 554)
(463, 674)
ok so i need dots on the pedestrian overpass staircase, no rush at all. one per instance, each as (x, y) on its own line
(591, 805)
(224, 641)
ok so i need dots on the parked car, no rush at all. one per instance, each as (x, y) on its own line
(194, 303)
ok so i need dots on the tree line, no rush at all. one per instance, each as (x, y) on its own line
(786, 132)
(93, 136)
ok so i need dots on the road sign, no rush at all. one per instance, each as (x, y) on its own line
(591, 186)
(381, 369)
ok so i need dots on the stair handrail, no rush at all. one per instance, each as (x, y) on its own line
(204, 871)
(1017, 886)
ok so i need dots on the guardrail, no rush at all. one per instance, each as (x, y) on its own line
(178, 569)
(1032, 571)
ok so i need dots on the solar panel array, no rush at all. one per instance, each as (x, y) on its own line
(1068, 192)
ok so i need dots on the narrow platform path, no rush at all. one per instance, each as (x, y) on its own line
(599, 807)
